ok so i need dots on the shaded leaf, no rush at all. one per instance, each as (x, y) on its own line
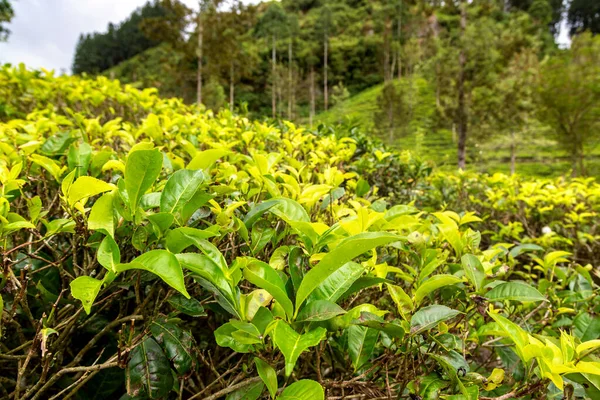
(177, 344)
(148, 371)
(429, 317)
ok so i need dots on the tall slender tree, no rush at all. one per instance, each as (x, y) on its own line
(326, 24)
(462, 115)
(272, 26)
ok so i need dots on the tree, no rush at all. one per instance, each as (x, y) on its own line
(461, 114)
(6, 15)
(569, 93)
(554, 10)
(272, 25)
(584, 15)
(200, 29)
(325, 23)
(293, 29)
(98, 52)
(507, 108)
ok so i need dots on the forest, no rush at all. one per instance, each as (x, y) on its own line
(481, 83)
(276, 222)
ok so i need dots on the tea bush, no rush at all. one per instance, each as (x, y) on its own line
(154, 251)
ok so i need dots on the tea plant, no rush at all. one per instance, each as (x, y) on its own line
(181, 254)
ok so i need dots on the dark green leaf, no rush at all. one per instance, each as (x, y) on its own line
(191, 306)
(361, 344)
(148, 371)
(429, 317)
(177, 344)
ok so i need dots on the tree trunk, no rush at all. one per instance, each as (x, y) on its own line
(231, 87)
(386, 51)
(390, 112)
(581, 160)
(399, 51)
(462, 111)
(312, 96)
(273, 78)
(199, 51)
(290, 80)
(513, 153)
(325, 71)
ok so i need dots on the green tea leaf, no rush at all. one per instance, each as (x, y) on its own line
(180, 189)
(265, 277)
(162, 263)
(517, 291)
(102, 215)
(85, 187)
(161, 222)
(79, 158)
(346, 250)
(522, 248)
(284, 208)
(403, 301)
(338, 283)
(268, 376)
(319, 310)
(248, 392)
(212, 278)
(181, 238)
(177, 344)
(141, 170)
(149, 371)
(361, 344)
(292, 344)
(86, 289)
(375, 322)
(206, 158)
(49, 165)
(429, 317)
(224, 338)
(191, 306)
(109, 254)
(432, 284)
(304, 389)
(473, 270)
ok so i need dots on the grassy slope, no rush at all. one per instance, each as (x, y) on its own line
(536, 157)
(155, 67)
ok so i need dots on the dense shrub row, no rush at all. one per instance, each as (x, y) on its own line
(154, 251)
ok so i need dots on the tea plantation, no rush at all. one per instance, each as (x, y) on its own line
(152, 250)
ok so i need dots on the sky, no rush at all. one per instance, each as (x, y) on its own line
(45, 32)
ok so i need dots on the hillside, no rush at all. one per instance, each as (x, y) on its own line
(536, 156)
(155, 67)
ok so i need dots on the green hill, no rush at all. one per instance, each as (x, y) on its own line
(156, 67)
(536, 156)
